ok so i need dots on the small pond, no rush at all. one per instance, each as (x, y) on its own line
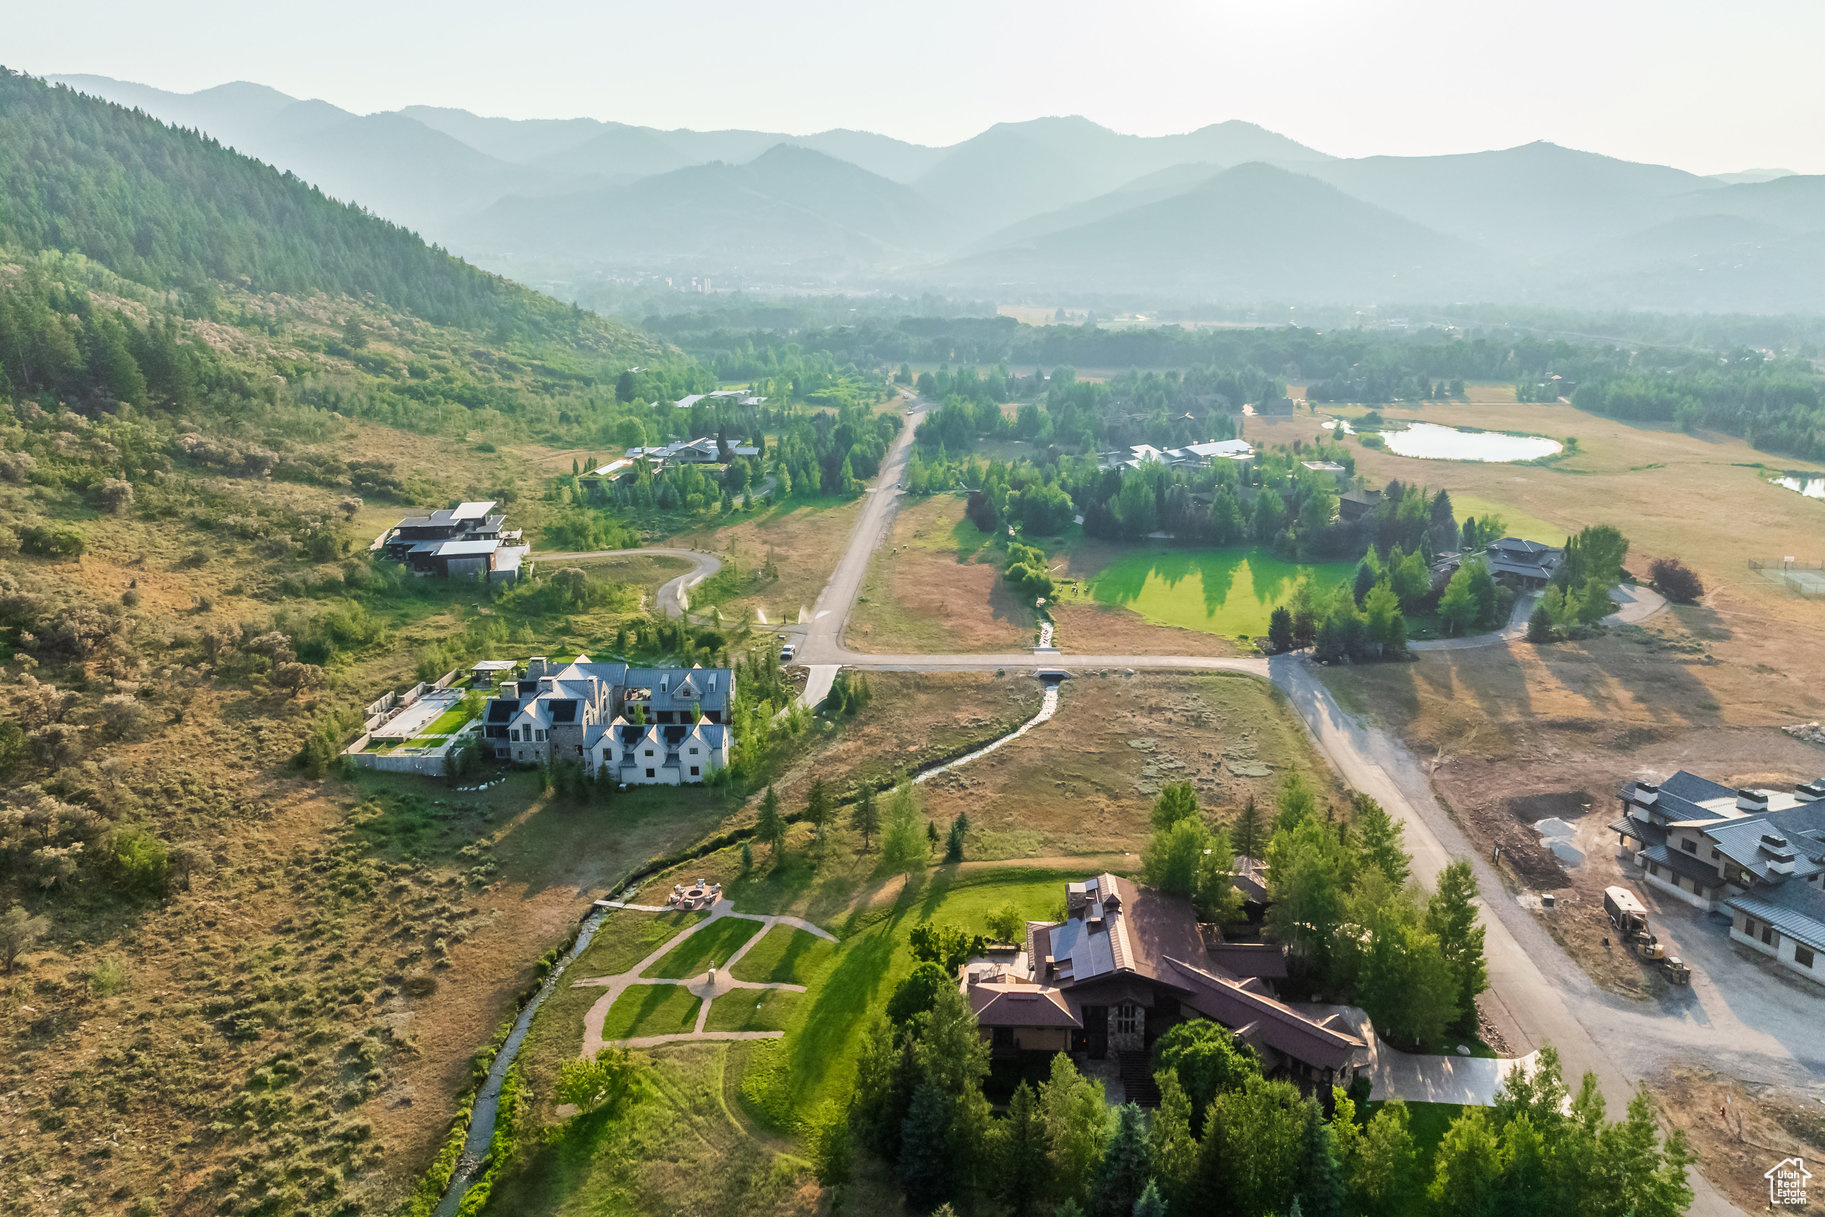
(1431, 441)
(1810, 485)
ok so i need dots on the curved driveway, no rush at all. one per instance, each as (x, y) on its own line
(674, 594)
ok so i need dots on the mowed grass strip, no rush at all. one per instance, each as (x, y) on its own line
(753, 1010)
(447, 722)
(627, 936)
(711, 945)
(785, 957)
(1230, 592)
(651, 1010)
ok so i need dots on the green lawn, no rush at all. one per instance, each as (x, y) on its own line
(1230, 592)
(826, 1028)
(449, 722)
(627, 936)
(651, 1010)
(708, 946)
(785, 957)
(753, 1010)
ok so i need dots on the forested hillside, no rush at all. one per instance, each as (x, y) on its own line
(170, 210)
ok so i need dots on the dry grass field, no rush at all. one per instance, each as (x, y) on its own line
(802, 543)
(936, 587)
(1083, 783)
(326, 976)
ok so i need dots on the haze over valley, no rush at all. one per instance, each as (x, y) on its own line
(1229, 213)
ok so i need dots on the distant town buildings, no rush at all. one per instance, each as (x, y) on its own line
(466, 541)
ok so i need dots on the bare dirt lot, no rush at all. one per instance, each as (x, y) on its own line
(1739, 1131)
(935, 587)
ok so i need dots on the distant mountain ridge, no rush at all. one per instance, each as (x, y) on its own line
(1043, 202)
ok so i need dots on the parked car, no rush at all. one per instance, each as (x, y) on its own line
(785, 653)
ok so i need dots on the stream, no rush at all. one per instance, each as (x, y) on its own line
(1047, 708)
(487, 1100)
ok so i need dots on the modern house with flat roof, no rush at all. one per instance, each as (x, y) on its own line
(1758, 854)
(637, 726)
(465, 541)
(1125, 965)
(1191, 455)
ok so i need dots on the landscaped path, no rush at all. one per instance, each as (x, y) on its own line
(708, 985)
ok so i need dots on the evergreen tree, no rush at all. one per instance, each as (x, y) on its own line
(865, 816)
(1247, 835)
(770, 828)
(818, 805)
(1280, 630)
(953, 843)
(883, 1088)
(1451, 914)
(1022, 1168)
(1150, 1203)
(1321, 1186)
(925, 1166)
(1123, 1171)
(1540, 624)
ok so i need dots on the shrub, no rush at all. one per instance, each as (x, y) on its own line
(140, 862)
(18, 931)
(1676, 580)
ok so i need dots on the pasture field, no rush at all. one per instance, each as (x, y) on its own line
(1704, 499)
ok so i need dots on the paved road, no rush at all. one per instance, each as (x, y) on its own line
(674, 594)
(820, 640)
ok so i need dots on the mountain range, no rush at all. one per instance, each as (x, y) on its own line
(1230, 212)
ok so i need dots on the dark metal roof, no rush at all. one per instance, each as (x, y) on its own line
(1647, 834)
(1682, 863)
(1795, 909)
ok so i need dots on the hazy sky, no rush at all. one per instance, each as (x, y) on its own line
(1709, 85)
